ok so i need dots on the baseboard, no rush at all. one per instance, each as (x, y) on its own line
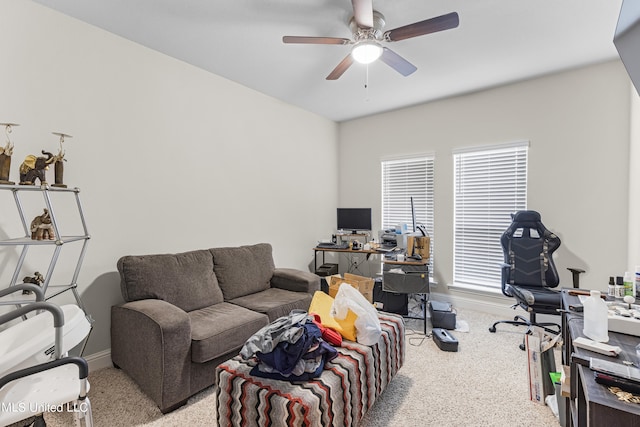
(99, 360)
(497, 305)
(493, 305)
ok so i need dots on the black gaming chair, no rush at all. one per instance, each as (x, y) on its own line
(529, 273)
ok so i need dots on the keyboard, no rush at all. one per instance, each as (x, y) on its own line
(326, 245)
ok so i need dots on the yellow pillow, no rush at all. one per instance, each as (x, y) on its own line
(321, 305)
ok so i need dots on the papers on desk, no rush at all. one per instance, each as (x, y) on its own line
(598, 347)
(618, 369)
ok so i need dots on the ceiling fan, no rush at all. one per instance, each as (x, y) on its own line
(366, 26)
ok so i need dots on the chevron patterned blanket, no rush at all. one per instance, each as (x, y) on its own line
(347, 388)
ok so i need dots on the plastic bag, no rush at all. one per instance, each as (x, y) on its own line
(367, 324)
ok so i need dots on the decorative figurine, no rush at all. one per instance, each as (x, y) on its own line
(5, 155)
(34, 168)
(59, 166)
(37, 279)
(41, 227)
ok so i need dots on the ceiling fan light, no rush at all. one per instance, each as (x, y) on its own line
(366, 52)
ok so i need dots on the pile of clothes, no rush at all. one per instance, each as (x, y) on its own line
(293, 348)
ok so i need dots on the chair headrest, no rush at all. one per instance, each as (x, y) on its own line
(527, 217)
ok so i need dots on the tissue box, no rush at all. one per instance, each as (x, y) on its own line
(444, 340)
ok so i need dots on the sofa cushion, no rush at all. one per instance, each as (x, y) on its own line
(243, 270)
(185, 280)
(222, 328)
(275, 302)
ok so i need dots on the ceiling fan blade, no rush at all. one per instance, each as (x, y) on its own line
(341, 68)
(315, 40)
(433, 25)
(397, 62)
(363, 13)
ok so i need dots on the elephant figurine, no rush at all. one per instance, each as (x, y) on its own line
(34, 168)
(5, 163)
(37, 279)
(41, 227)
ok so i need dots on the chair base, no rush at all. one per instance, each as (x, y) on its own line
(522, 321)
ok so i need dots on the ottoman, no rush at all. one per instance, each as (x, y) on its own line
(347, 388)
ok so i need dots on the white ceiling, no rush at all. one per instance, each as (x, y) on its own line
(497, 41)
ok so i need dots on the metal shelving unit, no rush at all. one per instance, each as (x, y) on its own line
(60, 240)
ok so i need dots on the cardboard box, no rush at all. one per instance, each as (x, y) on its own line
(421, 246)
(361, 283)
(566, 381)
(534, 368)
(540, 361)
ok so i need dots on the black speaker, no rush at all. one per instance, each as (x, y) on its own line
(327, 270)
(442, 315)
(390, 302)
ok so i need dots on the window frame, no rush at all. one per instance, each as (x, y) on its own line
(492, 185)
(421, 187)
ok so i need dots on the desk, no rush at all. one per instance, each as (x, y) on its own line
(591, 404)
(341, 251)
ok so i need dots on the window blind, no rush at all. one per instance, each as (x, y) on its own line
(490, 184)
(401, 180)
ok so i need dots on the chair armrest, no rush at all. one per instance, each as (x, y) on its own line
(151, 342)
(575, 273)
(295, 280)
(506, 269)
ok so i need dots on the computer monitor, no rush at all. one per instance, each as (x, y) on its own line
(627, 37)
(354, 219)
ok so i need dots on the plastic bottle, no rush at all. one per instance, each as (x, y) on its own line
(628, 284)
(596, 321)
(612, 287)
(637, 281)
(619, 288)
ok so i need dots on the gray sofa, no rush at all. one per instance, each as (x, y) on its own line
(186, 313)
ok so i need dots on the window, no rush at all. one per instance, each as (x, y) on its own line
(490, 184)
(402, 179)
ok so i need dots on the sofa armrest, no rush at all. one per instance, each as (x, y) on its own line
(295, 280)
(151, 342)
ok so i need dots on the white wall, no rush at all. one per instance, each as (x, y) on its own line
(168, 157)
(577, 123)
(634, 183)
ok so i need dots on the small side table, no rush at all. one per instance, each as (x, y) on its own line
(414, 279)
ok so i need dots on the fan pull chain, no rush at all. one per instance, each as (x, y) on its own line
(366, 78)
(366, 83)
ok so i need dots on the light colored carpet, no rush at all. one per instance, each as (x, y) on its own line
(483, 384)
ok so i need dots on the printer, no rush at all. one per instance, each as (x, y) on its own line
(390, 239)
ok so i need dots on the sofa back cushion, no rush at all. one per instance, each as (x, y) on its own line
(243, 270)
(186, 280)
